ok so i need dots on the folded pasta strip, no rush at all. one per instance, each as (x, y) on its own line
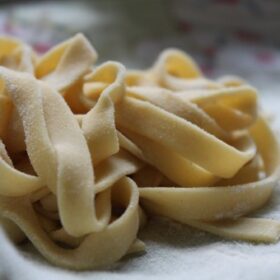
(87, 152)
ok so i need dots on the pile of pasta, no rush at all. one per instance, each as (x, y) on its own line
(88, 152)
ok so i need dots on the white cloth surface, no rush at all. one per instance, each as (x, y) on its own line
(177, 251)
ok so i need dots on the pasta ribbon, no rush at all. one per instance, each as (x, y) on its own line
(87, 153)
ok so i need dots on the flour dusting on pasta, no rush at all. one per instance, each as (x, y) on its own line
(88, 153)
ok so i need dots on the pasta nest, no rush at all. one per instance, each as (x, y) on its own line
(88, 152)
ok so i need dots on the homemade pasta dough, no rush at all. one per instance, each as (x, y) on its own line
(88, 153)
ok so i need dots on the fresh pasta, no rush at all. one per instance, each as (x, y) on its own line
(88, 152)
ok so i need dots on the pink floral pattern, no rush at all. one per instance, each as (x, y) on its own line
(203, 28)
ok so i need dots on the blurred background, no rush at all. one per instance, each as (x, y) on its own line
(224, 36)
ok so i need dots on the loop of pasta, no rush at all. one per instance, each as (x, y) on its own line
(86, 153)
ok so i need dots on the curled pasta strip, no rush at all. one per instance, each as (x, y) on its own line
(176, 70)
(81, 149)
(224, 202)
(16, 55)
(97, 249)
(66, 63)
(232, 108)
(187, 139)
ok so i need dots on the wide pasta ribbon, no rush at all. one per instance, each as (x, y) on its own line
(16, 55)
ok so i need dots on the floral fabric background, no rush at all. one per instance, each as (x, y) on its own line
(232, 36)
